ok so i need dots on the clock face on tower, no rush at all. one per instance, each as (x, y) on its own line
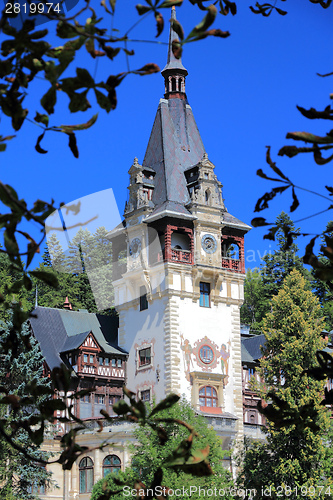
(209, 243)
(135, 248)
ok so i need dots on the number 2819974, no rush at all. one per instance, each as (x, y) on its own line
(32, 8)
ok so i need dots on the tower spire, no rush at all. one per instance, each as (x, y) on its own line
(174, 72)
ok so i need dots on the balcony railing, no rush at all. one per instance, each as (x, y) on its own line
(184, 256)
(232, 264)
(181, 256)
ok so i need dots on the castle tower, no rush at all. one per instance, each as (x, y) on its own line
(179, 269)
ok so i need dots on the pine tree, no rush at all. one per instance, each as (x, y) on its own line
(20, 478)
(295, 453)
(260, 286)
(84, 272)
(322, 290)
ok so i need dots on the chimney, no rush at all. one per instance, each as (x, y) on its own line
(67, 305)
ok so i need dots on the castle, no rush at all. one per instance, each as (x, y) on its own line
(178, 275)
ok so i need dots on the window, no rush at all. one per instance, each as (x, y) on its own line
(85, 358)
(107, 361)
(86, 471)
(143, 298)
(99, 399)
(204, 294)
(111, 463)
(208, 396)
(206, 354)
(145, 357)
(145, 395)
(119, 363)
(91, 358)
(251, 372)
(37, 487)
(101, 361)
(85, 398)
(114, 362)
(112, 401)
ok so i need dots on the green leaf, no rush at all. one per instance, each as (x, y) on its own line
(281, 12)
(121, 408)
(40, 118)
(307, 137)
(49, 100)
(295, 203)
(38, 34)
(79, 101)
(83, 126)
(159, 23)
(147, 69)
(177, 28)
(38, 147)
(47, 277)
(85, 79)
(142, 9)
(73, 145)
(65, 30)
(259, 222)
(205, 23)
(113, 5)
(103, 100)
(111, 52)
(170, 3)
(169, 401)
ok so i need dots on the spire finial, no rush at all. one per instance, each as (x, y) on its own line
(174, 72)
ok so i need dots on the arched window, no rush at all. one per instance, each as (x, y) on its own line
(86, 468)
(207, 196)
(208, 396)
(111, 463)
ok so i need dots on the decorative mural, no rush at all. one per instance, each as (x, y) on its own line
(206, 355)
(187, 356)
(225, 355)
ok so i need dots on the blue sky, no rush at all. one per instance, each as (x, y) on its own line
(243, 91)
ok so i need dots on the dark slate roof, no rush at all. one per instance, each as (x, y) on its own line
(74, 342)
(174, 145)
(245, 355)
(55, 329)
(171, 209)
(251, 347)
(231, 220)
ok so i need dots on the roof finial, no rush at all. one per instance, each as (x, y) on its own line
(174, 72)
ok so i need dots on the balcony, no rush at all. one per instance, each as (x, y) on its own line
(232, 264)
(182, 256)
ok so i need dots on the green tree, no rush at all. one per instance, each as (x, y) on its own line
(148, 455)
(256, 303)
(20, 477)
(84, 275)
(261, 285)
(321, 288)
(295, 453)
